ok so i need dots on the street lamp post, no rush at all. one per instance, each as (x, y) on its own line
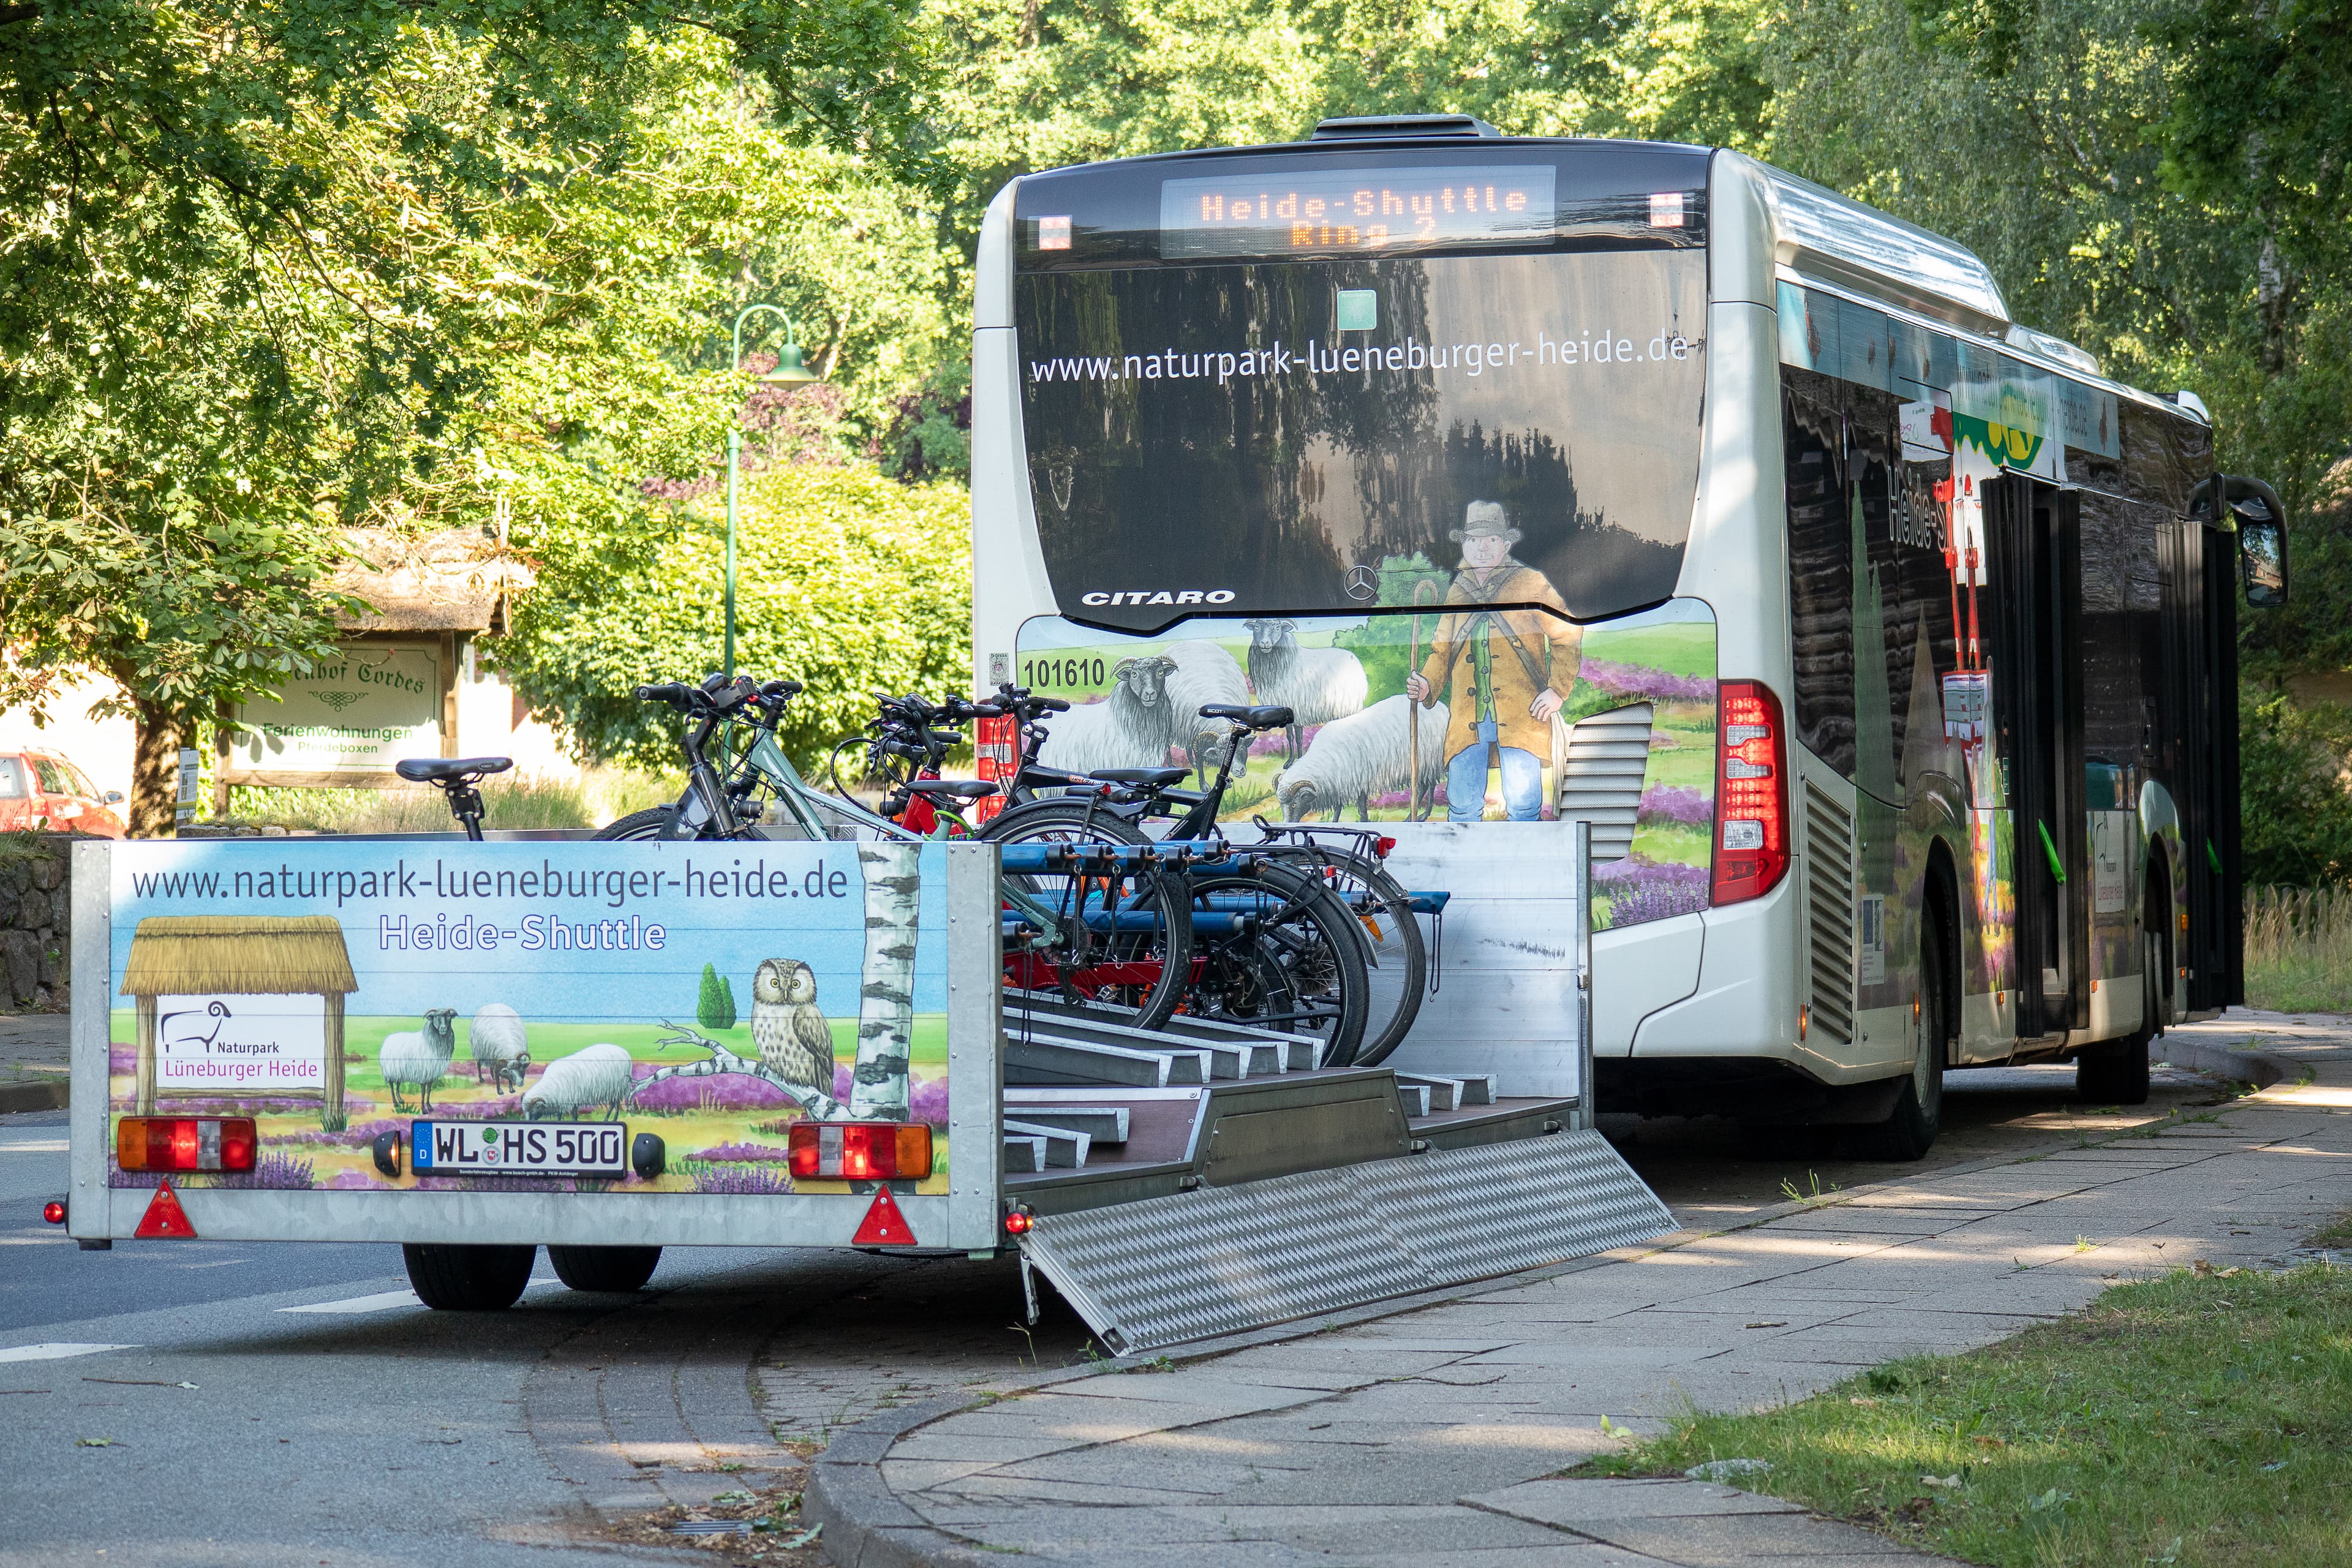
(790, 371)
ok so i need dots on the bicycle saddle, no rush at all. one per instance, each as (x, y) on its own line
(1255, 718)
(449, 770)
(954, 789)
(1148, 778)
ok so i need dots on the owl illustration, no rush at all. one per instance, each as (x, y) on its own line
(794, 1040)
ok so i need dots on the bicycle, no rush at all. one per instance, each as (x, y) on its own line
(1345, 860)
(456, 777)
(1071, 922)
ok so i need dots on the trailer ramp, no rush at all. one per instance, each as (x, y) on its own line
(1217, 1260)
(1208, 1177)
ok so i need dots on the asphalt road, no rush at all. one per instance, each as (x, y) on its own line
(335, 1421)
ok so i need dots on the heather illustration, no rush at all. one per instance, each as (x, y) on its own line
(1614, 721)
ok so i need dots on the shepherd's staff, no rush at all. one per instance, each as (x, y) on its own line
(1412, 708)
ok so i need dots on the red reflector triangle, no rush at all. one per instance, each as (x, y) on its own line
(885, 1226)
(164, 1216)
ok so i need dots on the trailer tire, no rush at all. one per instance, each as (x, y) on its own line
(616, 1269)
(452, 1278)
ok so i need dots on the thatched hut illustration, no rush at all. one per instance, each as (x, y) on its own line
(240, 956)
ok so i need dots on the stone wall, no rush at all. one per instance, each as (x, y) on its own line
(36, 922)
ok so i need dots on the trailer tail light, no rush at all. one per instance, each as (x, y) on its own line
(996, 751)
(184, 1143)
(1751, 792)
(860, 1151)
(54, 1212)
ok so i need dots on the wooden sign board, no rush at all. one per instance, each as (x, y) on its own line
(349, 721)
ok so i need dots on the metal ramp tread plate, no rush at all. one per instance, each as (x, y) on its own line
(1218, 1260)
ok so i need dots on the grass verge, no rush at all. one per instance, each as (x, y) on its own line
(2298, 950)
(2196, 1419)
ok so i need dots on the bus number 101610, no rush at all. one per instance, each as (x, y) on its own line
(1069, 672)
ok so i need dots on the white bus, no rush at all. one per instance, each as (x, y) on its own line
(1887, 645)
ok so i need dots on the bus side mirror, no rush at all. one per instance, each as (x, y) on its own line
(2261, 542)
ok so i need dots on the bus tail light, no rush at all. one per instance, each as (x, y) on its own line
(1751, 792)
(996, 753)
(184, 1143)
(860, 1151)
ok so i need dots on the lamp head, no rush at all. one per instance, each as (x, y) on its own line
(792, 369)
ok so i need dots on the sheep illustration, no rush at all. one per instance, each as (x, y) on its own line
(600, 1074)
(182, 1037)
(1356, 758)
(1133, 729)
(1205, 675)
(419, 1059)
(499, 1044)
(1316, 684)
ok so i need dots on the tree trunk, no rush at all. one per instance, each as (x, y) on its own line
(154, 770)
(142, 1083)
(332, 1117)
(885, 1008)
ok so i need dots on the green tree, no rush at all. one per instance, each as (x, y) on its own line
(849, 582)
(714, 1008)
(2294, 808)
(224, 325)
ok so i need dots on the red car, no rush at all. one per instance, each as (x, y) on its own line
(42, 790)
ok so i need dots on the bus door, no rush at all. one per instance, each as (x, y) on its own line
(2034, 544)
(2200, 751)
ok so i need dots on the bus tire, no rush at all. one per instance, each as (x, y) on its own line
(2115, 1072)
(453, 1279)
(616, 1269)
(1910, 1129)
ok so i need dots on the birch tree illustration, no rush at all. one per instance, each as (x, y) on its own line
(885, 1008)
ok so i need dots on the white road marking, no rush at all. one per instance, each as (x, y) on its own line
(32, 1146)
(385, 1300)
(381, 1302)
(57, 1352)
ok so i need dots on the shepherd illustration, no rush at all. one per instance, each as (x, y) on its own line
(1500, 671)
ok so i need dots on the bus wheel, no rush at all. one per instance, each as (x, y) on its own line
(452, 1278)
(615, 1268)
(2115, 1072)
(1909, 1130)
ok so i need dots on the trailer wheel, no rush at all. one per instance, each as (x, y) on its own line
(1909, 1130)
(612, 1269)
(450, 1278)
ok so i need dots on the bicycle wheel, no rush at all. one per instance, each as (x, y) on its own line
(1061, 821)
(1396, 956)
(646, 826)
(1303, 929)
(1130, 938)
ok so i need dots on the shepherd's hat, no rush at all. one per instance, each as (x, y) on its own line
(1486, 518)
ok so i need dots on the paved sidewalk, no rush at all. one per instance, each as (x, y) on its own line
(1424, 1437)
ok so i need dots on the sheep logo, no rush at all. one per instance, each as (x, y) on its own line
(185, 1036)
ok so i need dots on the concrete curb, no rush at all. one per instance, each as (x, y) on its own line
(48, 1094)
(868, 1525)
(2242, 1066)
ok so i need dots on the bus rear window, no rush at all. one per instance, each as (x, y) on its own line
(1308, 436)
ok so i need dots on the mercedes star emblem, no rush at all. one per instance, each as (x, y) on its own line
(1362, 582)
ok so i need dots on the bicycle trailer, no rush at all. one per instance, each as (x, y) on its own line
(611, 1047)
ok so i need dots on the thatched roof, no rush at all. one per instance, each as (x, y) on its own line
(455, 580)
(251, 956)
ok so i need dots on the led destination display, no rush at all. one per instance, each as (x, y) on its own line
(1352, 212)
